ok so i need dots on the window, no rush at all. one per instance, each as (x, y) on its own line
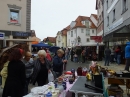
(82, 30)
(87, 39)
(124, 5)
(14, 16)
(87, 24)
(75, 31)
(92, 31)
(114, 15)
(71, 33)
(108, 21)
(107, 4)
(87, 32)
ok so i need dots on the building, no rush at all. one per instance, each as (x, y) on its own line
(99, 8)
(82, 31)
(51, 40)
(35, 39)
(15, 22)
(116, 22)
(61, 38)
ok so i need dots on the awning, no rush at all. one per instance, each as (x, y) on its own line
(120, 34)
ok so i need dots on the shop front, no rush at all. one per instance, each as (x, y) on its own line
(16, 37)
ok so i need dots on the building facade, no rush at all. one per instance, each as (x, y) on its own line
(99, 8)
(82, 31)
(116, 22)
(61, 38)
(51, 40)
(15, 22)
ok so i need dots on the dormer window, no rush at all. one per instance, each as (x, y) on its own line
(83, 22)
(73, 23)
(87, 24)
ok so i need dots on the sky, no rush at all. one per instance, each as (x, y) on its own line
(50, 16)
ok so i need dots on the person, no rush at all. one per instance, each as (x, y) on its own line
(75, 58)
(66, 53)
(58, 62)
(83, 55)
(27, 60)
(127, 56)
(112, 54)
(107, 53)
(41, 69)
(72, 54)
(4, 71)
(118, 55)
(15, 82)
(78, 52)
(48, 55)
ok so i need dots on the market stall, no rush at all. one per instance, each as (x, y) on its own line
(80, 81)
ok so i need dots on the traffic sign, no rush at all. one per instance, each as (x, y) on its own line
(2, 36)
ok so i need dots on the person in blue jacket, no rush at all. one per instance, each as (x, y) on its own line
(127, 56)
(58, 62)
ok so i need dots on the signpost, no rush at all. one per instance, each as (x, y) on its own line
(2, 37)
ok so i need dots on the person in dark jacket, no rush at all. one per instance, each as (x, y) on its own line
(72, 54)
(107, 53)
(118, 55)
(27, 60)
(41, 69)
(58, 63)
(15, 82)
(78, 52)
(127, 56)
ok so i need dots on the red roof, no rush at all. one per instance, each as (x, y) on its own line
(83, 18)
(64, 31)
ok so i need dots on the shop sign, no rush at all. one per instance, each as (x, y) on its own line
(21, 34)
(119, 22)
(2, 36)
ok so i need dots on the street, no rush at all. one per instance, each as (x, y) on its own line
(71, 65)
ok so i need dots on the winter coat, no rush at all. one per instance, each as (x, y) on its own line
(127, 51)
(37, 68)
(4, 73)
(57, 64)
(16, 79)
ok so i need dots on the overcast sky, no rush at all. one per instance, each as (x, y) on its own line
(51, 16)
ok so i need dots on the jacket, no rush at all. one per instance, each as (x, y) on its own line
(4, 73)
(37, 67)
(28, 71)
(107, 52)
(57, 64)
(127, 51)
(16, 79)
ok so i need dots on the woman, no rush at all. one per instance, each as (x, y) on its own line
(41, 69)
(4, 72)
(118, 55)
(58, 63)
(15, 82)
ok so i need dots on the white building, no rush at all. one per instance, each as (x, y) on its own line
(82, 31)
(59, 39)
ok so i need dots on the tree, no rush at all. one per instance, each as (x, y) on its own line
(50, 44)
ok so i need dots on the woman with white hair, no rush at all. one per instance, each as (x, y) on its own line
(58, 62)
(41, 69)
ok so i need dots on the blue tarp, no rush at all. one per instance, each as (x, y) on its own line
(54, 49)
(41, 45)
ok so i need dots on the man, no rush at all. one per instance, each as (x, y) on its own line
(27, 60)
(79, 52)
(127, 56)
(107, 56)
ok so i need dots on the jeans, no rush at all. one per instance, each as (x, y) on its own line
(26, 86)
(118, 59)
(79, 58)
(83, 58)
(127, 64)
(67, 56)
(75, 59)
(107, 60)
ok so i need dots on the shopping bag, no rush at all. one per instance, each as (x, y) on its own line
(50, 77)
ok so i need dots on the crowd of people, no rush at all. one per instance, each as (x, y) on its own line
(20, 69)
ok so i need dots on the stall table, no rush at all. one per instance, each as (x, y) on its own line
(79, 87)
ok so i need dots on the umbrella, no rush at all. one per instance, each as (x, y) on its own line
(41, 45)
(54, 49)
(4, 50)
